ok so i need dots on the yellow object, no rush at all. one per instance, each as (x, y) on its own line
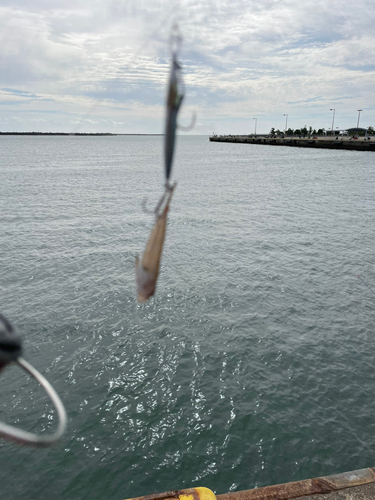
(197, 494)
(189, 494)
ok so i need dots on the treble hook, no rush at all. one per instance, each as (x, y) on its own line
(192, 123)
(168, 189)
(145, 209)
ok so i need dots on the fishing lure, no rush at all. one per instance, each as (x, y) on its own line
(147, 268)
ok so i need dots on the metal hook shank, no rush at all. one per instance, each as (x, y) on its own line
(28, 438)
(192, 123)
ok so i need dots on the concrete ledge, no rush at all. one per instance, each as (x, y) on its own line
(360, 144)
(356, 485)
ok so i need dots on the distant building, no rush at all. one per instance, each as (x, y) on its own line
(356, 131)
(335, 132)
(347, 131)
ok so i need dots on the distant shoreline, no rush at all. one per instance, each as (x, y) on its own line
(67, 133)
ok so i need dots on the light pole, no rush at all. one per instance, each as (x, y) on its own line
(359, 114)
(286, 123)
(333, 119)
(256, 119)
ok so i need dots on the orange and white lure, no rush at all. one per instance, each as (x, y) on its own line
(147, 268)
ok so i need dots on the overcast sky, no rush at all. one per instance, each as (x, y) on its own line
(102, 65)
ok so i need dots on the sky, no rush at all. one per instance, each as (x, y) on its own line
(103, 65)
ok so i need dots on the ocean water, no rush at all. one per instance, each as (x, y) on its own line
(253, 364)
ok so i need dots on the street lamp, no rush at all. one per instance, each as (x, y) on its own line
(333, 119)
(256, 119)
(359, 114)
(286, 122)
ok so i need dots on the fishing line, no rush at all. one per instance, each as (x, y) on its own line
(358, 276)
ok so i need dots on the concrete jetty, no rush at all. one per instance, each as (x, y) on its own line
(354, 485)
(358, 144)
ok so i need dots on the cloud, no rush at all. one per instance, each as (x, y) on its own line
(108, 61)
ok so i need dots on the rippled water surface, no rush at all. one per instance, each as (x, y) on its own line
(254, 363)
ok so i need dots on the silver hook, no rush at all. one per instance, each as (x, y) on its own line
(28, 438)
(169, 188)
(145, 209)
(192, 123)
(157, 208)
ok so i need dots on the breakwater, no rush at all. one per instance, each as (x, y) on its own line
(360, 144)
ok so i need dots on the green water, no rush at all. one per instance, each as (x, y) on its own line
(254, 363)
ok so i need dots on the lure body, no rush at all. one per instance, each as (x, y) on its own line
(174, 100)
(147, 270)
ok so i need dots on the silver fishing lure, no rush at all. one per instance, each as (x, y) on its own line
(147, 269)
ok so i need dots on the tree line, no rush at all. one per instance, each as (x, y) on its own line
(308, 131)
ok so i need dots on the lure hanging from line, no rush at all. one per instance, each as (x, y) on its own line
(147, 269)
